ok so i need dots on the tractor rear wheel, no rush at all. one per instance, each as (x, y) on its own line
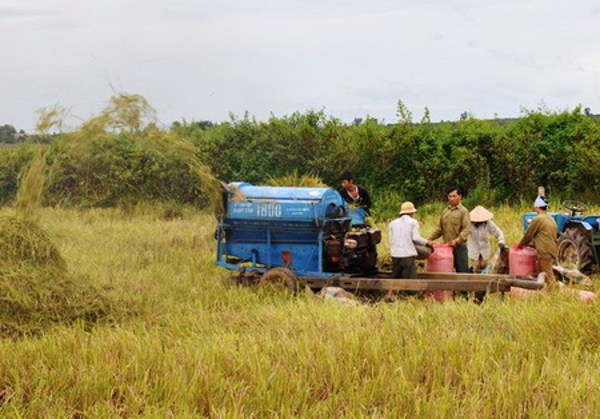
(575, 251)
(279, 278)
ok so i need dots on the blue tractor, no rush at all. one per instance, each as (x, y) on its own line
(578, 236)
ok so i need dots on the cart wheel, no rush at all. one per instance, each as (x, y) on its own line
(279, 278)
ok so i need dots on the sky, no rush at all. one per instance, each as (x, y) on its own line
(199, 60)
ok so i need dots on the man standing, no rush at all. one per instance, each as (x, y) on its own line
(543, 231)
(404, 234)
(354, 194)
(454, 227)
(478, 243)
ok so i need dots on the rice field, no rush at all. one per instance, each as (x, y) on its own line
(177, 338)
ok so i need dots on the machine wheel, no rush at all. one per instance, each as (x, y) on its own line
(280, 278)
(575, 251)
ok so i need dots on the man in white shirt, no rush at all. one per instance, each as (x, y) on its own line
(404, 234)
(478, 244)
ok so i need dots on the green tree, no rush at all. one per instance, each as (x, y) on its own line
(7, 134)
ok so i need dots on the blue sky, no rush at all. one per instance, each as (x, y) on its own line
(198, 60)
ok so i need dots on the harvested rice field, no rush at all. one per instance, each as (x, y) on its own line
(135, 319)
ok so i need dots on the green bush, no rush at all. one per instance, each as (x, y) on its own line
(12, 163)
(116, 169)
(495, 161)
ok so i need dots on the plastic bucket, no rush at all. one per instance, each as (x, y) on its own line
(441, 260)
(522, 262)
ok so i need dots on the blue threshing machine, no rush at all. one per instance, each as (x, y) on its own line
(306, 230)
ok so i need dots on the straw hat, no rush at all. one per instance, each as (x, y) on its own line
(480, 215)
(407, 208)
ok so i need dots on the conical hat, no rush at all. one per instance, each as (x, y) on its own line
(480, 215)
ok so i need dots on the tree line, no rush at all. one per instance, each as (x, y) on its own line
(494, 160)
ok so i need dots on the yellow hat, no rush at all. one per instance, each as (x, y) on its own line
(480, 215)
(407, 208)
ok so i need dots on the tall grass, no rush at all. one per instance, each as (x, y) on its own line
(30, 190)
(194, 344)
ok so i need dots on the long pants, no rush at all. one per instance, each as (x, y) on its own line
(461, 258)
(478, 265)
(404, 268)
(546, 267)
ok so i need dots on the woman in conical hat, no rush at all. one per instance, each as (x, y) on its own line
(478, 243)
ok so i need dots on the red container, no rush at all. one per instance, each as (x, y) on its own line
(522, 262)
(441, 260)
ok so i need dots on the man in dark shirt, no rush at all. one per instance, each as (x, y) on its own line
(354, 194)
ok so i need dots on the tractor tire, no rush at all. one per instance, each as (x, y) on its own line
(575, 251)
(279, 278)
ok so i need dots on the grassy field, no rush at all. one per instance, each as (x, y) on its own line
(179, 338)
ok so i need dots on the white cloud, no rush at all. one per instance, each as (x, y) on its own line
(203, 59)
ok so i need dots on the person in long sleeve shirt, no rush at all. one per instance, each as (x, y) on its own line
(543, 231)
(354, 194)
(454, 227)
(404, 234)
(478, 243)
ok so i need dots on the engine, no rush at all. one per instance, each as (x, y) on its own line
(351, 250)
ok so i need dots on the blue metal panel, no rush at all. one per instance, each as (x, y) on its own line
(303, 256)
(263, 223)
(358, 216)
(280, 203)
(281, 193)
(559, 218)
(527, 218)
(592, 220)
(564, 220)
